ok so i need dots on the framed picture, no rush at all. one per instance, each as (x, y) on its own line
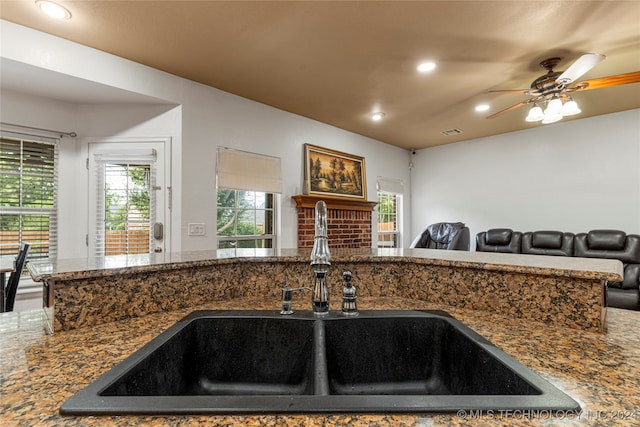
(332, 173)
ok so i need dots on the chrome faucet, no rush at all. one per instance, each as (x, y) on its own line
(320, 260)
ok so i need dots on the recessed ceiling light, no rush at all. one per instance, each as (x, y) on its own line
(482, 107)
(427, 66)
(52, 9)
(376, 117)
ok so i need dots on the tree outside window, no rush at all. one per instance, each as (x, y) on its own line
(127, 208)
(388, 228)
(27, 196)
(245, 219)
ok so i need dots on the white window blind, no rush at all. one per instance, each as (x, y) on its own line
(241, 170)
(125, 203)
(389, 185)
(28, 194)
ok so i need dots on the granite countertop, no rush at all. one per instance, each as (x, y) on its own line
(600, 371)
(65, 269)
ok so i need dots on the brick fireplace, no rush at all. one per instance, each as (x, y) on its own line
(348, 221)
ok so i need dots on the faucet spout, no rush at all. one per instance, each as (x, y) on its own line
(320, 260)
(320, 254)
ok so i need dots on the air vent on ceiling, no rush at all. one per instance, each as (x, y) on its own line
(450, 132)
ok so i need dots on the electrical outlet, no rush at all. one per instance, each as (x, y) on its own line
(196, 229)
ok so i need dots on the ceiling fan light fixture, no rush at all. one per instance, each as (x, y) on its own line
(482, 107)
(570, 108)
(535, 114)
(54, 10)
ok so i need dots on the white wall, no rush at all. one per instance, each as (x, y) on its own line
(199, 119)
(573, 176)
(214, 118)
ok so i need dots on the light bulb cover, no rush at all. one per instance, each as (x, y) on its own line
(553, 107)
(570, 108)
(535, 114)
(551, 118)
(376, 117)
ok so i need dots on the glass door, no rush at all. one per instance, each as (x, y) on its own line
(127, 198)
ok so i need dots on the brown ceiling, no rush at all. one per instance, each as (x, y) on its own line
(337, 62)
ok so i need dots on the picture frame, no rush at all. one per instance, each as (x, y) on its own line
(333, 173)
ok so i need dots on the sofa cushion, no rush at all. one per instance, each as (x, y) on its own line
(628, 254)
(610, 240)
(498, 236)
(547, 239)
(499, 240)
(554, 243)
(623, 298)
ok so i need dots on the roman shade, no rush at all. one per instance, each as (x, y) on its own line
(241, 170)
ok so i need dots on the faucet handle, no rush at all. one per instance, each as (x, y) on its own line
(347, 276)
(349, 306)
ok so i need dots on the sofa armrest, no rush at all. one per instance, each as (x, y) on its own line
(631, 277)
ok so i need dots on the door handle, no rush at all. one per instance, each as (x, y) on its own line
(158, 231)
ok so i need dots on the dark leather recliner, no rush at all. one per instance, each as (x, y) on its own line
(444, 235)
(547, 243)
(503, 240)
(615, 244)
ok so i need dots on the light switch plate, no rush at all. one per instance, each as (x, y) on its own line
(196, 229)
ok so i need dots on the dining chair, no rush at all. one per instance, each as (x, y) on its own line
(14, 278)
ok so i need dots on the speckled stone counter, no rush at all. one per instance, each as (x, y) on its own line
(601, 371)
(555, 290)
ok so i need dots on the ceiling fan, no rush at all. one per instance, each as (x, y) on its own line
(553, 89)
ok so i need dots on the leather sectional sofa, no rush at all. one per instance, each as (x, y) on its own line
(610, 244)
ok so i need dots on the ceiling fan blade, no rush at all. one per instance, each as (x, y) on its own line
(580, 67)
(512, 91)
(513, 107)
(618, 79)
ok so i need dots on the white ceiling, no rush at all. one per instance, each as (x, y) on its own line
(337, 62)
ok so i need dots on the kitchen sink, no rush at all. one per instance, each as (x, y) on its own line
(261, 361)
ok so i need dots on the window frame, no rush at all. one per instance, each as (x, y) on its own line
(270, 211)
(395, 216)
(47, 173)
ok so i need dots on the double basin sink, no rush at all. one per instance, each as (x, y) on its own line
(261, 361)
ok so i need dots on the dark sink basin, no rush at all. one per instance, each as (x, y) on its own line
(260, 361)
(224, 356)
(419, 357)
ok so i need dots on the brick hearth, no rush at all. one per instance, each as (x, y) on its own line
(348, 221)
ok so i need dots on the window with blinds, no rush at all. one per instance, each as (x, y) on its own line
(28, 188)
